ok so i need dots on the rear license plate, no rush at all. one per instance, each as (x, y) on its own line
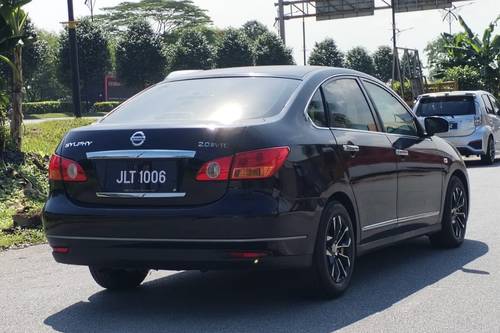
(141, 176)
(453, 126)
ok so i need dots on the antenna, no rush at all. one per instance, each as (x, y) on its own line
(451, 14)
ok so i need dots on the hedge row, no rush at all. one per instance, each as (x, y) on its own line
(64, 107)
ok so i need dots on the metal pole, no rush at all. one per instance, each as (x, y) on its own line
(396, 70)
(74, 60)
(304, 36)
(281, 18)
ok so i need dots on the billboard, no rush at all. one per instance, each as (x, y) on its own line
(337, 9)
(401, 6)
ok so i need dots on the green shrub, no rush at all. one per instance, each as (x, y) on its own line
(468, 78)
(47, 107)
(104, 106)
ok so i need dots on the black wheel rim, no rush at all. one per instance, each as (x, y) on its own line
(458, 212)
(339, 249)
(492, 151)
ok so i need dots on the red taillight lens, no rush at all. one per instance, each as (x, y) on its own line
(258, 164)
(215, 170)
(255, 164)
(59, 249)
(61, 168)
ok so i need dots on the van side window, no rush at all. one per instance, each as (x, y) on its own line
(316, 110)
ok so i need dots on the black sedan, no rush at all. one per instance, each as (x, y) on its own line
(247, 168)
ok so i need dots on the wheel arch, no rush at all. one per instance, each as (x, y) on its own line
(349, 205)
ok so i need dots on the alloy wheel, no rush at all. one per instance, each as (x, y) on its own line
(339, 249)
(458, 212)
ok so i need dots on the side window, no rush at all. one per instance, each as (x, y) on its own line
(496, 105)
(487, 104)
(316, 110)
(395, 117)
(347, 105)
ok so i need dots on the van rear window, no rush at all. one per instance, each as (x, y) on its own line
(446, 106)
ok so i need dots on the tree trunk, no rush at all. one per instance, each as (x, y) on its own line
(17, 100)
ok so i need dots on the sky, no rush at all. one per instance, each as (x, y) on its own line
(417, 28)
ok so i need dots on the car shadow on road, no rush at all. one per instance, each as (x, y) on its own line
(267, 301)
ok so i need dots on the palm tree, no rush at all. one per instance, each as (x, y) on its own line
(12, 22)
(483, 54)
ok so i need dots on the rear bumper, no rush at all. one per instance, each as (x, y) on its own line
(208, 237)
(474, 144)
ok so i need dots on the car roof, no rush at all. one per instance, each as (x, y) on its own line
(286, 71)
(455, 93)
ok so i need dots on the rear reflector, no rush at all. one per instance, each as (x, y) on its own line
(62, 250)
(255, 164)
(248, 255)
(61, 168)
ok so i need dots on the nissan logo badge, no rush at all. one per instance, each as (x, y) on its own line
(138, 138)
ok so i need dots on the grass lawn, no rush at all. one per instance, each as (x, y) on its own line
(24, 186)
(63, 115)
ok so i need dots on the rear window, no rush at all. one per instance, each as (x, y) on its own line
(207, 101)
(446, 106)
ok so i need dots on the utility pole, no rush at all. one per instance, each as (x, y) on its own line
(281, 18)
(304, 39)
(396, 70)
(74, 60)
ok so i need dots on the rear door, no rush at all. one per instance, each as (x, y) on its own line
(367, 153)
(420, 164)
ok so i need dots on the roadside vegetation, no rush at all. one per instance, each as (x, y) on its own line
(23, 182)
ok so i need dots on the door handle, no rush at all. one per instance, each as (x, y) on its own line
(401, 152)
(351, 148)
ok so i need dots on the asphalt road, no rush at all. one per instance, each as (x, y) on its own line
(405, 288)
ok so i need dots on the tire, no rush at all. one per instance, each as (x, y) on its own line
(455, 215)
(489, 157)
(335, 252)
(118, 279)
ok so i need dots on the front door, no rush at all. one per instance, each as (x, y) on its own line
(420, 165)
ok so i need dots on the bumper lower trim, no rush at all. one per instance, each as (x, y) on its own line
(180, 240)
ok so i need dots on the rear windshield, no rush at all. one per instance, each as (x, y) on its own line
(207, 101)
(446, 106)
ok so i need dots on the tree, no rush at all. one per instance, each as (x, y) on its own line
(12, 23)
(139, 58)
(468, 78)
(192, 51)
(270, 50)
(358, 59)
(483, 54)
(326, 53)
(234, 50)
(166, 15)
(382, 61)
(94, 59)
(254, 29)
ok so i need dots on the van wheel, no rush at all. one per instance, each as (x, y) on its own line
(489, 157)
(455, 214)
(118, 279)
(335, 251)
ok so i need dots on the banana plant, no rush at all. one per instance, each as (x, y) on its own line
(12, 23)
(481, 53)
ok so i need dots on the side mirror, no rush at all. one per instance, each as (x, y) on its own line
(435, 125)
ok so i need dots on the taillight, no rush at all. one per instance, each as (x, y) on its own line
(64, 169)
(255, 164)
(477, 121)
(258, 164)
